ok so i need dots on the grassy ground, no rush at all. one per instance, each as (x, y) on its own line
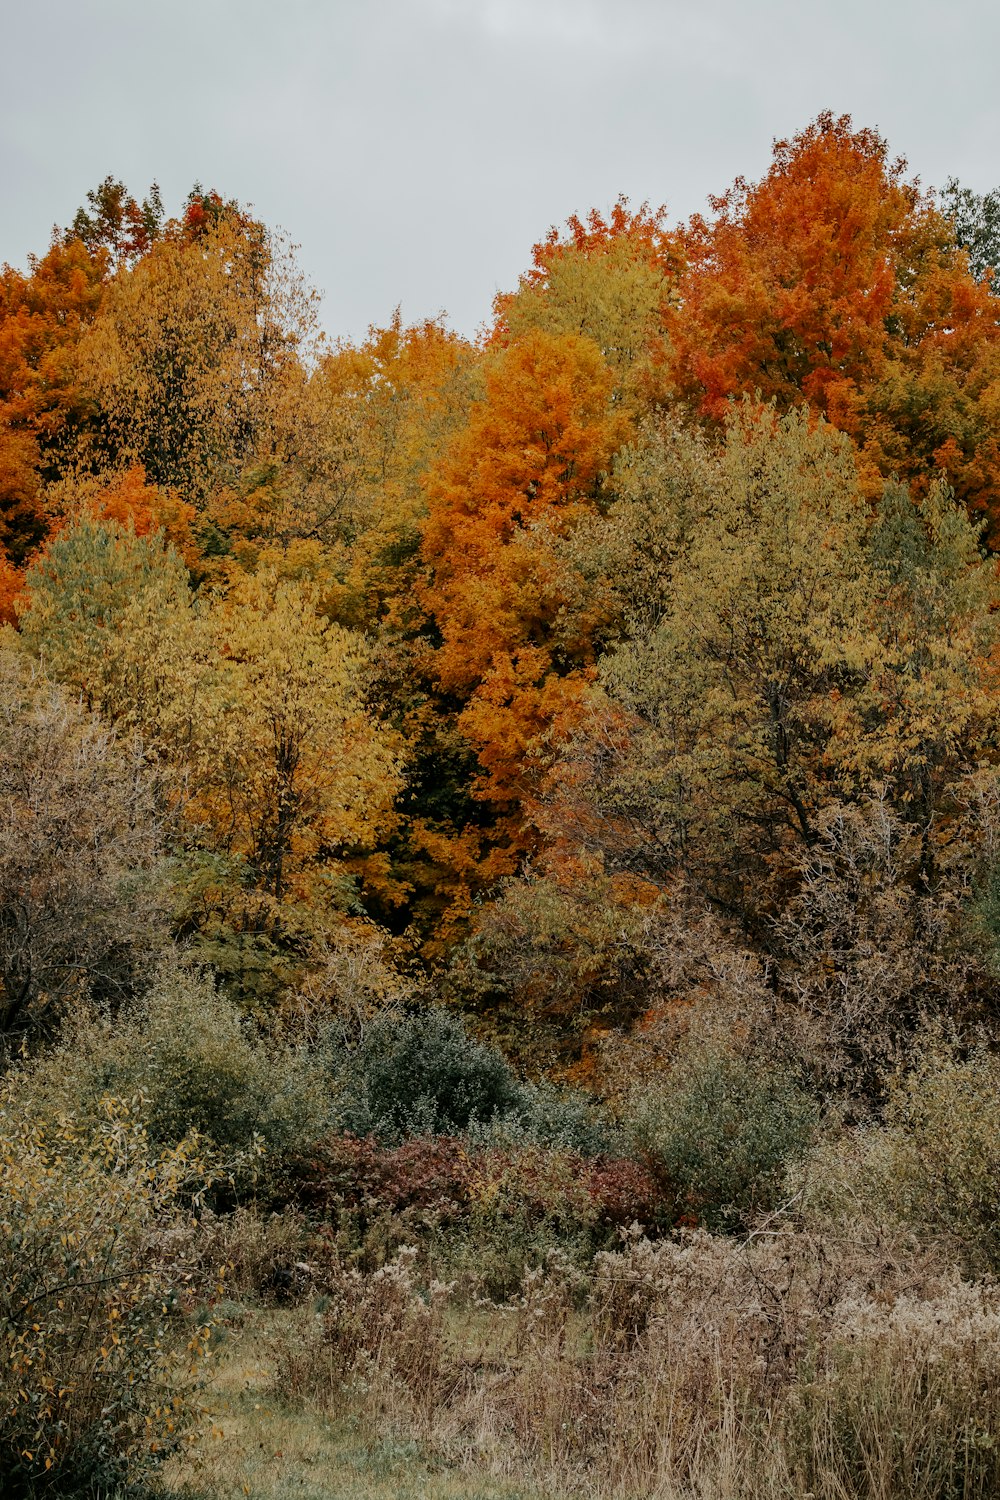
(254, 1444)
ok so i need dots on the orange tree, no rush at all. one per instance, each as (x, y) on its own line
(42, 315)
(510, 635)
(836, 281)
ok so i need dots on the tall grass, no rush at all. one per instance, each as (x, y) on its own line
(785, 1365)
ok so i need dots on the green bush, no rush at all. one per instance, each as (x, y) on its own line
(188, 1055)
(421, 1074)
(724, 1127)
(564, 1119)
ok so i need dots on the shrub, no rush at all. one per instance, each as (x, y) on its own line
(194, 1063)
(90, 1390)
(545, 1115)
(421, 1075)
(933, 1167)
(482, 1210)
(81, 879)
(724, 1127)
(347, 1171)
(265, 1254)
(370, 1328)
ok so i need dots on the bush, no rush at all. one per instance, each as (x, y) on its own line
(93, 1253)
(724, 1127)
(421, 1075)
(81, 878)
(482, 1210)
(187, 1054)
(933, 1167)
(564, 1119)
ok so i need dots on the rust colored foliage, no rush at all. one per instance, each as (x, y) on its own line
(789, 286)
(451, 1179)
(42, 313)
(527, 467)
(128, 500)
(835, 281)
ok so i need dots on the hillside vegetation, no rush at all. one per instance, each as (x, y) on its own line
(500, 859)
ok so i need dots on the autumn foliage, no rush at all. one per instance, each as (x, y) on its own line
(500, 842)
(836, 281)
(393, 613)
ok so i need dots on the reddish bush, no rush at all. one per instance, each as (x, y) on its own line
(426, 1171)
(627, 1192)
(346, 1171)
(441, 1175)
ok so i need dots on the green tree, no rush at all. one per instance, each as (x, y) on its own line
(976, 217)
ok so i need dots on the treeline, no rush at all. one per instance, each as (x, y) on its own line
(670, 577)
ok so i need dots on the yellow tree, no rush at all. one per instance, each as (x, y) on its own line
(189, 363)
(797, 651)
(613, 280)
(254, 704)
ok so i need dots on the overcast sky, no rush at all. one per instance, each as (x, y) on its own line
(415, 149)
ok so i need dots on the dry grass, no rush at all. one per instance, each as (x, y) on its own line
(786, 1367)
(260, 1443)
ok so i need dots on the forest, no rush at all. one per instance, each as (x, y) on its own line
(500, 859)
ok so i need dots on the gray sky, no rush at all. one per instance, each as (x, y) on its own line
(415, 149)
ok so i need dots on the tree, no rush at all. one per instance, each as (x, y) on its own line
(189, 360)
(788, 288)
(611, 280)
(116, 223)
(836, 281)
(79, 593)
(254, 702)
(976, 220)
(81, 882)
(796, 653)
(508, 655)
(42, 316)
(288, 768)
(395, 401)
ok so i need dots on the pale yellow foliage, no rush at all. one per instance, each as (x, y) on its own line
(196, 355)
(259, 704)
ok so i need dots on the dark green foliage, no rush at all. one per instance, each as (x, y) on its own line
(422, 1075)
(724, 1126)
(563, 1119)
(976, 217)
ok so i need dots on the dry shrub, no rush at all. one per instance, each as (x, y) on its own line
(81, 873)
(480, 1211)
(933, 1167)
(95, 1251)
(264, 1257)
(870, 945)
(374, 1340)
